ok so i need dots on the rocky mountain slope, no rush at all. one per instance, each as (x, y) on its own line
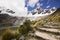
(5, 18)
(50, 29)
(40, 11)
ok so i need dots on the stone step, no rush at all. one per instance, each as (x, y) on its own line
(50, 30)
(45, 35)
(48, 33)
(50, 26)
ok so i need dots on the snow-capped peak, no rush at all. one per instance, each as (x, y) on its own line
(42, 12)
(4, 10)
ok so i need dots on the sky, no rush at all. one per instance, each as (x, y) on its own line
(21, 7)
(16, 5)
(45, 4)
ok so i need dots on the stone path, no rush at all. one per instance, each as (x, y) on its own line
(48, 33)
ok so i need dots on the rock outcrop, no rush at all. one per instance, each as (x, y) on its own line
(6, 20)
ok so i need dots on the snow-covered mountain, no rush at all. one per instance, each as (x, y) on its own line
(4, 10)
(39, 13)
(42, 12)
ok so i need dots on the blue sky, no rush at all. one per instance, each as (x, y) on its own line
(46, 4)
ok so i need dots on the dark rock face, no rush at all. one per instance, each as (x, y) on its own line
(6, 20)
(10, 11)
(57, 12)
(39, 10)
(6, 10)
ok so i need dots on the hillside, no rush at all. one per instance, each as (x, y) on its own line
(49, 27)
(53, 18)
(6, 20)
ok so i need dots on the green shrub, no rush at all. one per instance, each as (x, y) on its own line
(25, 28)
(7, 35)
(17, 35)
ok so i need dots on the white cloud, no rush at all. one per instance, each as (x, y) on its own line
(39, 4)
(15, 5)
(47, 6)
(32, 2)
